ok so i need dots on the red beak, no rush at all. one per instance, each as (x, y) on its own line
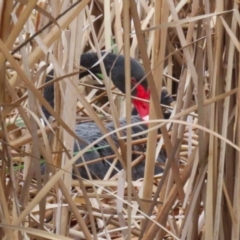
(142, 107)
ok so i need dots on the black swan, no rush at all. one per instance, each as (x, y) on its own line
(114, 65)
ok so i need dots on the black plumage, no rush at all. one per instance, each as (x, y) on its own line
(90, 132)
(114, 65)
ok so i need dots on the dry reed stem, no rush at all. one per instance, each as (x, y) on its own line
(126, 48)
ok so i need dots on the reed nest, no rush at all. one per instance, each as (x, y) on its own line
(192, 48)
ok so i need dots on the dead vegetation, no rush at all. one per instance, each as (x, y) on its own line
(192, 48)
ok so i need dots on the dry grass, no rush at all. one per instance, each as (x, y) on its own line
(192, 49)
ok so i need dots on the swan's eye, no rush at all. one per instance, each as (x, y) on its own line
(133, 81)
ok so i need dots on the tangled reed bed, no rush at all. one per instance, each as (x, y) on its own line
(194, 52)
